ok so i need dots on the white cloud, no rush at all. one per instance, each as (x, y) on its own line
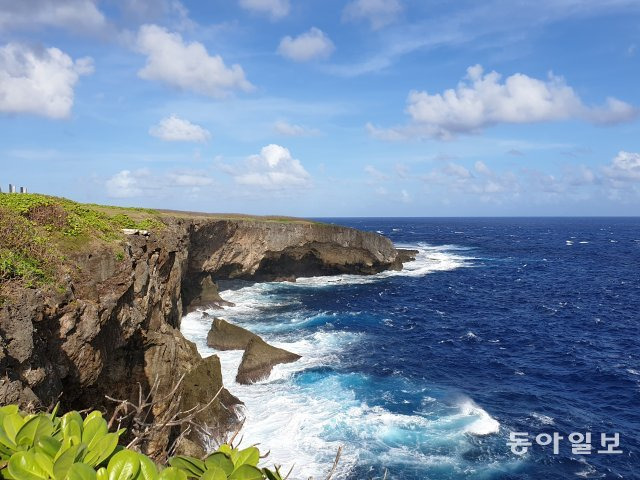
(189, 179)
(624, 167)
(307, 46)
(293, 130)
(405, 197)
(374, 173)
(273, 168)
(126, 183)
(481, 100)
(187, 66)
(174, 129)
(39, 82)
(377, 12)
(144, 182)
(77, 15)
(276, 9)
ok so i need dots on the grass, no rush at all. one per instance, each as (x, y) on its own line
(37, 231)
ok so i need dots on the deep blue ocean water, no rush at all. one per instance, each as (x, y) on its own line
(501, 325)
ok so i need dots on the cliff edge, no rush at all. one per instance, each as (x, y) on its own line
(91, 297)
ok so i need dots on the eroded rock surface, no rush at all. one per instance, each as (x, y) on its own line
(226, 336)
(258, 360)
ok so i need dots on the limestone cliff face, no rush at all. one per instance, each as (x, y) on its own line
(277, 251)
(116, 324)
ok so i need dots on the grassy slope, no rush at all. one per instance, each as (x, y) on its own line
(38, 231)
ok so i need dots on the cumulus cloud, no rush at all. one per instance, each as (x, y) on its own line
(272, 168)
(624, 167)
(78, 15)
(482, 100)
(126, 183)
(187, 66)
(144, 182)
(39, 81)
(276, 9)
(292, 130)
(377, 12)
(175, 129)
(307, 46)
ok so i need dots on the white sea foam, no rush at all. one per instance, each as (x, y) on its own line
(543, 419)
(304, 422)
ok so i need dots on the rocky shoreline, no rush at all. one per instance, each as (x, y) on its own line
(115, 322)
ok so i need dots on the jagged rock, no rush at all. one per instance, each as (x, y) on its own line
(226, 336)
(202, 292)
(259, 358)
(116, 325)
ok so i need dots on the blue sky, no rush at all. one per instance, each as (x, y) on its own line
(323, 107)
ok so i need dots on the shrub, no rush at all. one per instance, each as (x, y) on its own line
(69, 447)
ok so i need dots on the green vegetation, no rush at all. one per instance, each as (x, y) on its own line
(37, 231)
(49, 447)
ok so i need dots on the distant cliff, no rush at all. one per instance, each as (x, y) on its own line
(110, 319)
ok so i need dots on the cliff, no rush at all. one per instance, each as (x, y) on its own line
(107, 320)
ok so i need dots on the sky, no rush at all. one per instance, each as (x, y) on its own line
(325, 108)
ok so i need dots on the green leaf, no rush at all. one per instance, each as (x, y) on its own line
(248, 456)
(65, 459)
(72, 427)
(48, 445)
(80, 471)
(93, 429)
(23, 466)
(124, 465)
(9, 410)
(191, 465)
(102, 474)
(220, 460)
(246, 472)
(172, 473)
(33, 429)
(148, 470)
(226, 449)
(214, 473)
(102, 450)
(44, 462)
(12, 424)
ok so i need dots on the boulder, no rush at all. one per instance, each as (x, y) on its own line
(258, 360)
(226, 336)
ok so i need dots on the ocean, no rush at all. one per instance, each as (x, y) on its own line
(501, 326)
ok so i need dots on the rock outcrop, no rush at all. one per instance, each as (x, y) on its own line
(113, 322)
(226, 336)
(258, 360)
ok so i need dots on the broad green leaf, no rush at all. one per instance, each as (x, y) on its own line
(246, 472)
(124, 465)
(80, 471)
(248, 456)
(226, 449)
(102, 450)
(93, 429)
(9, 409)
(6, 441)
(12, 424)
(23, 466)
(220, 460)
(214, 473)
(148, 470)
(48, 445)
(33, 429)
(102, 474)
(44, 462)
(172, 473)
(63, 463)
(191, 465)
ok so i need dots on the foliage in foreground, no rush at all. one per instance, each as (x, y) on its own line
(48, 447)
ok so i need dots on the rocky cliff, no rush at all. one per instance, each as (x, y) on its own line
(113, 321)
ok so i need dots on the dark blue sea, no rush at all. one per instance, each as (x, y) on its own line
(500, 326)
